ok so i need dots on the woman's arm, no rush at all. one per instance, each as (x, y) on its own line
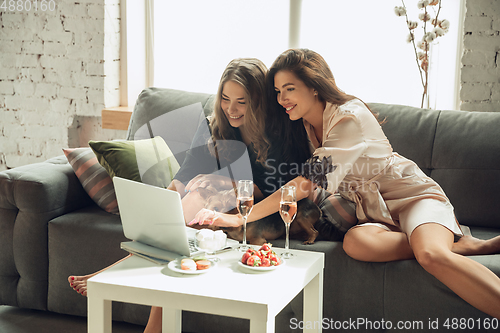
(264, 208)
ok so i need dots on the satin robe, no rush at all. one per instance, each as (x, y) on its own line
(386, 187)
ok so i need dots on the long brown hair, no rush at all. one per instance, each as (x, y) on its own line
(250, 73)
(312, 69)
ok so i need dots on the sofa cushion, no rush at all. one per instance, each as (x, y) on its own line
(94, 178)
(149, 161)
(466, 163)
(172, 114)
(410, 131)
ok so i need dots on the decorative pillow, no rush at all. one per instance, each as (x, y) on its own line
(94, 178)
(339, 215)
(148, 161)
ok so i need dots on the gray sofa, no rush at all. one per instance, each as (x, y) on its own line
(50, 228)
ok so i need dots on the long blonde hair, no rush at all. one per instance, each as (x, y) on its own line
(250, 73)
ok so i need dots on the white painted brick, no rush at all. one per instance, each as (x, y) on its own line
(58, 37)
(45, 90)
(88, 108)
(476, 106)
(97, 2)
(72, 9)
(495, 92)
(62, 106)
(9, 73)
(479, 74)
(478, 58)
(9, 60)
(12, 19)
(496, 24)
(111, 97)
(73, 93)
(483, 43)
(96, 11)
(477, 23)
(25, 88)
(96, 96)
(475, 92)
(24, 103)
(81, 79)
(35, 74)
(54, 24)
(55, 49)
(15, 160)
(10, 46)
(57, 77)
(30, 47)
(95, 68)
(10, 117)
(60, 63)
(482, 7)
(6, 87)
(27, 60)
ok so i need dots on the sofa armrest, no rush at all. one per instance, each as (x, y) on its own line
(30, 196)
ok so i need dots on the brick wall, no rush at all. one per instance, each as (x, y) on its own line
(480, 86)
(58, 69)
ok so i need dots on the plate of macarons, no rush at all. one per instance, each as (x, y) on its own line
(196, 265)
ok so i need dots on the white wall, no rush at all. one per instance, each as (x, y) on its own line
(58, 69)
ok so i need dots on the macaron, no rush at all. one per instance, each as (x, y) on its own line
(203, 264)
(188, 264)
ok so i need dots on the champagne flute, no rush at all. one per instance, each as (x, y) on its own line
(288, 210)
(245, 205)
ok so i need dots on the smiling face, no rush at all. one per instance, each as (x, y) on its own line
(233, 103)
(292, 93)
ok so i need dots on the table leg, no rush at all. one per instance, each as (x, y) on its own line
(171, 320)
(99, 315)
(261, 326)
(313, 304)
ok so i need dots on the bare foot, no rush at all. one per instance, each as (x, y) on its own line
(469, 245)
(79, 283)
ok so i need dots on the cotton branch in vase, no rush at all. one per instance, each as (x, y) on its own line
(432, 28)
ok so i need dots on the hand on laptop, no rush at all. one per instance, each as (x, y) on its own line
(206, 216)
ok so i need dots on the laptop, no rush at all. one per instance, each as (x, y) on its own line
(153, 219)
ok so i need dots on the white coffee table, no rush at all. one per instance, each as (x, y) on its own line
(225, 290)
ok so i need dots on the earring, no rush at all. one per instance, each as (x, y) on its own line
(315, 93)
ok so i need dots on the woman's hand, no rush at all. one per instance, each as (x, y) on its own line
(206, 216)
(217, 181)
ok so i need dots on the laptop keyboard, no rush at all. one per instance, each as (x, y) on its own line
(192, 245)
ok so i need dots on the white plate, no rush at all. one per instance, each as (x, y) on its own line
(175, 265)
(257, 269)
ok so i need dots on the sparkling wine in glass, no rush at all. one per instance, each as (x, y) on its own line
(245, 205)
(288, 210)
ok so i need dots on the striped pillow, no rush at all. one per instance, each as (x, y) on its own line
(94, 178)
(339, 215)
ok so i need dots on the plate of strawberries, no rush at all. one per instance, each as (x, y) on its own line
(261, 260)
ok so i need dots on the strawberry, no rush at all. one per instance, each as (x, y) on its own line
(245, 257)
(265, 247)
(274, 259)
(265, 262)
(254, 260)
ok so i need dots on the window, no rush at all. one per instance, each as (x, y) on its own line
(196, 39)
(363, 41)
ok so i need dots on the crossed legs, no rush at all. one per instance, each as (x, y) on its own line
(432, 246)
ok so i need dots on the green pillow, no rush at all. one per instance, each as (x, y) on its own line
(148, 161)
